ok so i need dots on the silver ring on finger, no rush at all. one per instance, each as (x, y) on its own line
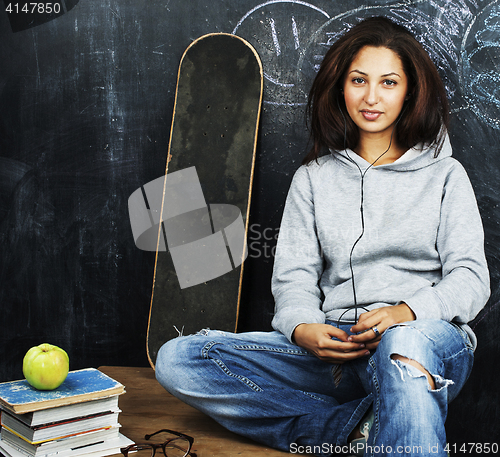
(377, 333)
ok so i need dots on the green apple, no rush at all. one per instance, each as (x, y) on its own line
(45, 366)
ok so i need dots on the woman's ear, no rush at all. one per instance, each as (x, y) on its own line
(407, 97)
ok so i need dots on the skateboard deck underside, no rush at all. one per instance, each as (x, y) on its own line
(214, 129)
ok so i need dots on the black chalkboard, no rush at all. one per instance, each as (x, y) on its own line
(86, 100)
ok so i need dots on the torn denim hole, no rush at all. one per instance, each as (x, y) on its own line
(414, 372)
(441, 383)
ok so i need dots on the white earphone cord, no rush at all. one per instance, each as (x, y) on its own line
(356, 307)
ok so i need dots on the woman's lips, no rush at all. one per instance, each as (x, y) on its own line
(371, 115)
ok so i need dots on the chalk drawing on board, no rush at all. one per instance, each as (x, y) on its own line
(278, 29)
(480, 57)
(292, 37)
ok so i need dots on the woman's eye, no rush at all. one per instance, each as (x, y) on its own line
(390, 82)
(358, 80)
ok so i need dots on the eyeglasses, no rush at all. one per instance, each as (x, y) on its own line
(179, 446)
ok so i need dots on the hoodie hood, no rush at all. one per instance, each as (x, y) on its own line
(420, 156)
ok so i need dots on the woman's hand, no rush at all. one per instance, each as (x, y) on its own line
(317, 339)
(381, 319)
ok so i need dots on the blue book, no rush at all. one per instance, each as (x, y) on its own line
(80, 386)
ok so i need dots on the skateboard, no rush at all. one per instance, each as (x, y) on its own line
(206, 190)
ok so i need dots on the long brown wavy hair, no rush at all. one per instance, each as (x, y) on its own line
(425, 114)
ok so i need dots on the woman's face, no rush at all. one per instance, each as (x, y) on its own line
(375, 89)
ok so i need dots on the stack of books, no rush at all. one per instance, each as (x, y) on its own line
(80, 417)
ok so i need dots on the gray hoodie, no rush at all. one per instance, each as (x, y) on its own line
(423, 241)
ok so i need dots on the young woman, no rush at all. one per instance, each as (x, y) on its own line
(379, 266)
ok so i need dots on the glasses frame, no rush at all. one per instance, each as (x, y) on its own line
(162, 446)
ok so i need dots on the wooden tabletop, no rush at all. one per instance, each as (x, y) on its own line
(147, 407)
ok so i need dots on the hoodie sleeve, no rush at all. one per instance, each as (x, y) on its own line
(465, 285)
(298, 263)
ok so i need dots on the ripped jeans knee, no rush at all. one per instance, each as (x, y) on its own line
(432, 349)
(414, 369)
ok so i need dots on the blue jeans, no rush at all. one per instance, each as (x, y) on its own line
(261, 386)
